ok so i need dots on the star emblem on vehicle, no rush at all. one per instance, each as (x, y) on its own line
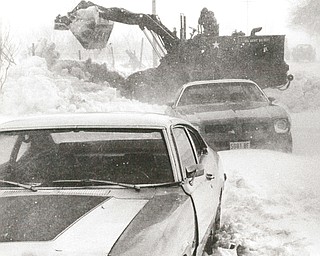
(215, 44)
(232, 132)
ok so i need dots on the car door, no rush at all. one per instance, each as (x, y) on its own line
(210, 161)
(200, 185)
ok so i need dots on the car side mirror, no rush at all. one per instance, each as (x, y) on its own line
(271, 99)
(193, 171)
(204, 151)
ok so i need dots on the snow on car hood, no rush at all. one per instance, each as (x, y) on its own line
(225, 111)
(44, 225)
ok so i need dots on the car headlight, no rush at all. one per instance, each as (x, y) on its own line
(281, 126)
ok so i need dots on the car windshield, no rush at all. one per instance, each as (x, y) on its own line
(42, 157)
(221, 93)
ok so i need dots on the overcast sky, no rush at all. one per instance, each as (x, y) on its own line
(29, 17)
(231, 14)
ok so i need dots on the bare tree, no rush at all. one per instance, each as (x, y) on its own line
(7, 51)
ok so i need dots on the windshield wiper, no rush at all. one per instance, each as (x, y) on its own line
(106, 182)
(165, 184)
(30, 187)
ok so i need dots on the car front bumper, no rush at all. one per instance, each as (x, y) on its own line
(272, 141)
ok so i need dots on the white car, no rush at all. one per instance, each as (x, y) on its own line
(107, 184)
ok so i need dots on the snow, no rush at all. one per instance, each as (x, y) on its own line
(32, 89)
(271, 202)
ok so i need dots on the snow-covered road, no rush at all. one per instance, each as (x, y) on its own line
(306, 133)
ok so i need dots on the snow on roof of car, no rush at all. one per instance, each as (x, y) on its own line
(112, 119)
(218, 81)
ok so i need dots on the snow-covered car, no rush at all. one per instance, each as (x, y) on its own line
(107, 184)
(234, 114)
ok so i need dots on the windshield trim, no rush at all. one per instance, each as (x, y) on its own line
(160, 135)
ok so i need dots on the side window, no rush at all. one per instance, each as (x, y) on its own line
(25, 146)
(8, 143)
(196, 143)
(184, 147)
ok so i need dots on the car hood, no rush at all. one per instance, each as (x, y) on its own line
(63, 224)
(226, 111)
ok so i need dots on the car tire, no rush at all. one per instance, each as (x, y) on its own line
(212, 239)
(217, 222)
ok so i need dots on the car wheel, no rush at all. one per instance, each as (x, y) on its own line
(208, 249)
(217, 223)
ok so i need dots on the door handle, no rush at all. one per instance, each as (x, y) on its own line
(209, 176)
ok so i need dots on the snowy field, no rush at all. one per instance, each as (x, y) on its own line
(271, 203)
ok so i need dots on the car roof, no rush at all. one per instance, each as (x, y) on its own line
(91, 120)
(218, 81)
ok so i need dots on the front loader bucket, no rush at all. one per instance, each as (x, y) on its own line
(92, 35)
(92, 31)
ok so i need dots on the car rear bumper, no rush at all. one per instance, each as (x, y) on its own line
(278, 142)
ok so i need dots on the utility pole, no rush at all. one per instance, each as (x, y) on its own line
(141, 53)
(1, 40)
(248, 17)
(247, 7)
(154, 54)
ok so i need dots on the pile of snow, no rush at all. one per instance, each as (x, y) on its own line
(271, 203)
(32, 89)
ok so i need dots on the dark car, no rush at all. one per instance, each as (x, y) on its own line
(107, 184)
(304, 52)
(234, 114)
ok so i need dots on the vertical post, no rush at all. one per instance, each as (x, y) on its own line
(2, 75)
(247, 17)
(112, 55)
(33, 50)
(1, 42)
(181, 27)
(183, 24)
(79, 54)
(154, 11)
(141, 51)
(185, 27)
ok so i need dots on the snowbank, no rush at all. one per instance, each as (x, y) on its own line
(32, 89)
(271, 204)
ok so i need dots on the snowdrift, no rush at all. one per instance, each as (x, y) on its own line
(32, 89)
(271, 203)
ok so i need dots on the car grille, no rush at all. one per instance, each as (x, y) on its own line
(219, 128)
(240, 129)
(254, 127)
